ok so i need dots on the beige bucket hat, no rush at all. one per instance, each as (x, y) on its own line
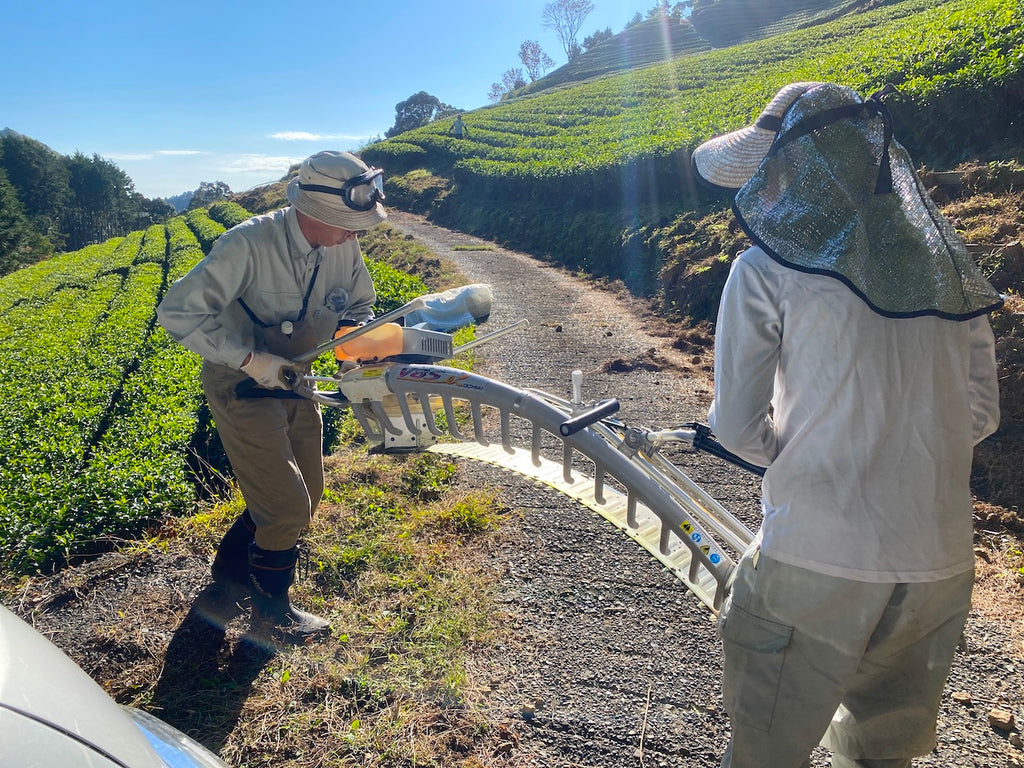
(339, 189)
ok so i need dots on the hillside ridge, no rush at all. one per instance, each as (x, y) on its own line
(717, 24)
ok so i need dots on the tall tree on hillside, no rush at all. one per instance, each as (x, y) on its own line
(41, 179)
(534, 60)
(104, 202)
(20, 244)
(511, 80)
(598, 37)
(152, 211)
(77, 200)
(418, 110)
(679, 10)
(209, 192)
(566, 18)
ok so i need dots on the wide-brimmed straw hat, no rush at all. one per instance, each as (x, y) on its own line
(339, 189)
(824, 188)
(731, 159)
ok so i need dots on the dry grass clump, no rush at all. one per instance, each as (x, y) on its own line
(395, 555)
(997, 462)
(999, 576)
(1008, 326)
(393, 565)
(408, 255)
(988, 212)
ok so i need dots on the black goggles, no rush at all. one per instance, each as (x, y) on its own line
(360, 193)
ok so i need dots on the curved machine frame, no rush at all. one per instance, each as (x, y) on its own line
(408, 403)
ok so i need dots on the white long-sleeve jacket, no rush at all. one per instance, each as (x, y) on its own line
(866, 424)
(268, 263)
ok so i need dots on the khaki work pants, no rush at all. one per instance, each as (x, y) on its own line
(861, 664)
(275, 447)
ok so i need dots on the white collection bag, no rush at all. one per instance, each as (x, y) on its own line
(453, 309)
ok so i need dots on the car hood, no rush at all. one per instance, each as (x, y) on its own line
(38, 681)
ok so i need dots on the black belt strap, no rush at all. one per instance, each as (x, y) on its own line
(305, 302)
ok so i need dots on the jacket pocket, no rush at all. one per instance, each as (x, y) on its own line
(755, 650)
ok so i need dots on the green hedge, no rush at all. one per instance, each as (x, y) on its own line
(102, 413)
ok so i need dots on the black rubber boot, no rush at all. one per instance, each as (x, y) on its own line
(271, 573)
(230, 566)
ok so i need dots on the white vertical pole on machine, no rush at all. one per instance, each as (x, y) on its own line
(577, 390)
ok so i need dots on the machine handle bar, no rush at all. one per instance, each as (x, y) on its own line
(702, 439)
(585, 419)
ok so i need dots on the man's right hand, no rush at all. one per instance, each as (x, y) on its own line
(344, 366)
(266, 369)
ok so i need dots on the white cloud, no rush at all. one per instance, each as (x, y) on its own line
(307, 136)
(128, 156)
(257, 163)
(137, 156)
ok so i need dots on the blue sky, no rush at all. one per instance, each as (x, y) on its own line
(179, 93)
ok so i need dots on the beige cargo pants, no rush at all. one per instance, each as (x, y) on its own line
(275, 447)
(859, 666)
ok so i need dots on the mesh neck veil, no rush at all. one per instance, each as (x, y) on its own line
(836, 195)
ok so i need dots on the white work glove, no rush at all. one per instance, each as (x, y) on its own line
(265, 369)
(344, 366)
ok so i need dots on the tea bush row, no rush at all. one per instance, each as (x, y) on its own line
(936, 51)
(100, 407)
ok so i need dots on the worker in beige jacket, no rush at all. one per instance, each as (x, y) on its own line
(271, 289)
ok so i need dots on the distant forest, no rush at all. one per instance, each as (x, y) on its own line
(51, 202)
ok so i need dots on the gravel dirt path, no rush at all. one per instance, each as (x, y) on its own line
(612, 661)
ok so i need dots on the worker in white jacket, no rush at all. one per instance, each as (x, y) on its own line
(271, 289)
(854, 359)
